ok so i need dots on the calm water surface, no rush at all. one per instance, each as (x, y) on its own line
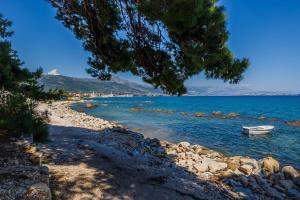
(221, 134)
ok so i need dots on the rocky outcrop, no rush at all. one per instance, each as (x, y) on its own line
(19, 177)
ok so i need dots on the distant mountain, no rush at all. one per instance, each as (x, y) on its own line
(116, 85)
(121, 86)
(231, 90)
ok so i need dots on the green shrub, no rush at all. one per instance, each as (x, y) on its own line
(18, 117)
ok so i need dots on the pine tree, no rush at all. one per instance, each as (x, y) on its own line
(163, 41)
(18, 91)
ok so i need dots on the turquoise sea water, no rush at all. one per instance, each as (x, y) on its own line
(217, 133)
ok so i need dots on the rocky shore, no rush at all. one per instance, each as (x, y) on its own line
(181, 171)
(21, 176)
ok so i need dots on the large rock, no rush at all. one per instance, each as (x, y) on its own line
(38, 191)
(216, 166)
(234, 162)
(270, 165)
(250, 162)
(201, 167)
(246, 169)
(208, 164)
(184, 144)
(289, 172)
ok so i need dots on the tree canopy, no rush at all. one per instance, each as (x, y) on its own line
(163, 41)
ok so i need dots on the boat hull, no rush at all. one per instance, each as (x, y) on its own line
(258, 130)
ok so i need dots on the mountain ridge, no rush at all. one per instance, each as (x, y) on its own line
(87, 85)
(119, 85)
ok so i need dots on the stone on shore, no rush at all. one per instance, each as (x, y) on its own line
(38, 191)
(289, 172)
(270, 165)
(184, 144)
(246, 169)
(201, 167)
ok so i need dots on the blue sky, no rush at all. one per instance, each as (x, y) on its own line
(265, 31)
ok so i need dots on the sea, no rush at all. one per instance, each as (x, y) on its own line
(173, 119)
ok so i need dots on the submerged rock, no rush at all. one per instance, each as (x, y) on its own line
(232, 115)
(136, 109)
(161, 111)
(90, 105)
(294, 123)
(217, 114)
(199, 114)
(262, 118)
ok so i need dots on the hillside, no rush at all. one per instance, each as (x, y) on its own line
(115, 85)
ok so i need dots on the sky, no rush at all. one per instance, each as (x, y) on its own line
(265, 31)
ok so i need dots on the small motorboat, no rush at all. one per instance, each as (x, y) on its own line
(257, 130)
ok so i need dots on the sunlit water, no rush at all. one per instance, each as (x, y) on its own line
(217, 133)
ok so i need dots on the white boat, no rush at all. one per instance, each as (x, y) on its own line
(257, 130)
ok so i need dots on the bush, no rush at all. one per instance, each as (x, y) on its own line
(18, 117)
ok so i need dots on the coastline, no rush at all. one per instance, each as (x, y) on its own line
(183, 169)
